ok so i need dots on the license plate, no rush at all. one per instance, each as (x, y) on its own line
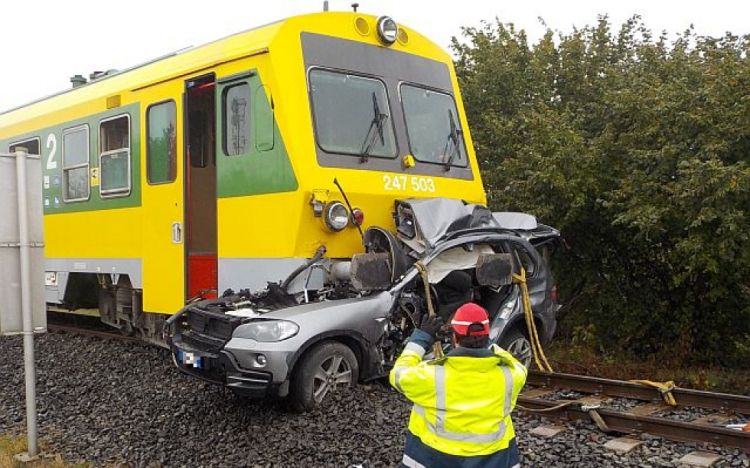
(190, 359)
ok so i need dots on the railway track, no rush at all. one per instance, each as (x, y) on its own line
(85, 326)
(616, 406)
(55, 328)
(632, 408)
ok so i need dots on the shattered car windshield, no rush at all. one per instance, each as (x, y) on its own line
(434, 130)
(351, 115)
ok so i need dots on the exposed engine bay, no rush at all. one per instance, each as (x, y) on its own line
(452, 277)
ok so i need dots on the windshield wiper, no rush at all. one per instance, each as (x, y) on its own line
(454, 136)
(377, 123)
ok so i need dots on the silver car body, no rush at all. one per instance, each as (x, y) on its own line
(365, 323)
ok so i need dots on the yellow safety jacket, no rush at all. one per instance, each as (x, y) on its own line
(462, 402)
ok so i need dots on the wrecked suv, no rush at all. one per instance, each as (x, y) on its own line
(273, 343)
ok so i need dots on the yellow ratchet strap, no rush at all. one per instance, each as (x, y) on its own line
(536, 345)
(437, 349)
(665, 388)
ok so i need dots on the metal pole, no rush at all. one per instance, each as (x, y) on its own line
(28, 324)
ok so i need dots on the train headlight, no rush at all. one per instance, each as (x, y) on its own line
(387, 30)
(336, 216)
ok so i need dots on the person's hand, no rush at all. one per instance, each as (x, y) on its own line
(431, 325)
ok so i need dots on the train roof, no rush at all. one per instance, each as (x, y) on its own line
(191, 60)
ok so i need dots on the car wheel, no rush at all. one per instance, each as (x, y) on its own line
(517, 344)
(328, 367)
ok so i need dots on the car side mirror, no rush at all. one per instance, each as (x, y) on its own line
(371, 271)
(494, 270)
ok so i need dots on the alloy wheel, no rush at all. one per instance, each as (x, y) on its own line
(520, 348)
(333, 373)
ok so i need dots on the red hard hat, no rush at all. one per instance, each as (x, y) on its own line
(470, 314)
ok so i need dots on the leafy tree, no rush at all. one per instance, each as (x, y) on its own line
(637, 148)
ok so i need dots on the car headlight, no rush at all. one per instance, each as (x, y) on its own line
(336, 216)
(267, 330)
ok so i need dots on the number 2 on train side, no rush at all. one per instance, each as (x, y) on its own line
(52, 147)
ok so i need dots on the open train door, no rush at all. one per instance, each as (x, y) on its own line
(200, 187)
(163, 200)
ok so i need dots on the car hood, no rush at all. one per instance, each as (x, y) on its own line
(321, 317)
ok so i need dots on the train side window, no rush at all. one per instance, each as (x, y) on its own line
(31, 145)
(235, 119)
(114, 157)
(161, 149)
(75, 161)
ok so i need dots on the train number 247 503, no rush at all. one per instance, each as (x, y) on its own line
(403, 183)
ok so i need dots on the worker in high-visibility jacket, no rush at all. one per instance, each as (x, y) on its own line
(462, 402)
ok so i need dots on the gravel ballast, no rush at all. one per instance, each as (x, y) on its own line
(121, 403)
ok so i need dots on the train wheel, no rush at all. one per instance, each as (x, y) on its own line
(126, 328)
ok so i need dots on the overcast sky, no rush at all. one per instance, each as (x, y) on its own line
(44, 43)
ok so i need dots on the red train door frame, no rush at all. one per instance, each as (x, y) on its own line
(201, 245)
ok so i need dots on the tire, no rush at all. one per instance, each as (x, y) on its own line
(517, 343)
(326, 368)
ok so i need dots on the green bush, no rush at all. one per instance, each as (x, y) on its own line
(636, 147)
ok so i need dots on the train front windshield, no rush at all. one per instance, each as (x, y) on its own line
(371, 106)
(432, 125)
(352, 115)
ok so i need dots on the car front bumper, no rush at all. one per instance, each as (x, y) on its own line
(224, 368)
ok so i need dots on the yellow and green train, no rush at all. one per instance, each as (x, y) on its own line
(229, 165)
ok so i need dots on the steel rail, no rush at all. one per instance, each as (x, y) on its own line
(618, 388)
(629, 423)
(94, 333)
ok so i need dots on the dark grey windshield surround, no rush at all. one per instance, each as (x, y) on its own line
(392, 68)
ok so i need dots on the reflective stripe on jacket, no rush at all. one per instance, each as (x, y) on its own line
(462, 403)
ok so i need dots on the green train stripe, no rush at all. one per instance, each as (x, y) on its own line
(261, 164)
(51, 140)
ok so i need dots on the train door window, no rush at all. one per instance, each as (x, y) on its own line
(31, 145)
(75, 160)
(161, 149)
(236, 119)
(114, 157)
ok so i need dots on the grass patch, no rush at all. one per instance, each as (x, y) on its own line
(11, 446)
(582, 360)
